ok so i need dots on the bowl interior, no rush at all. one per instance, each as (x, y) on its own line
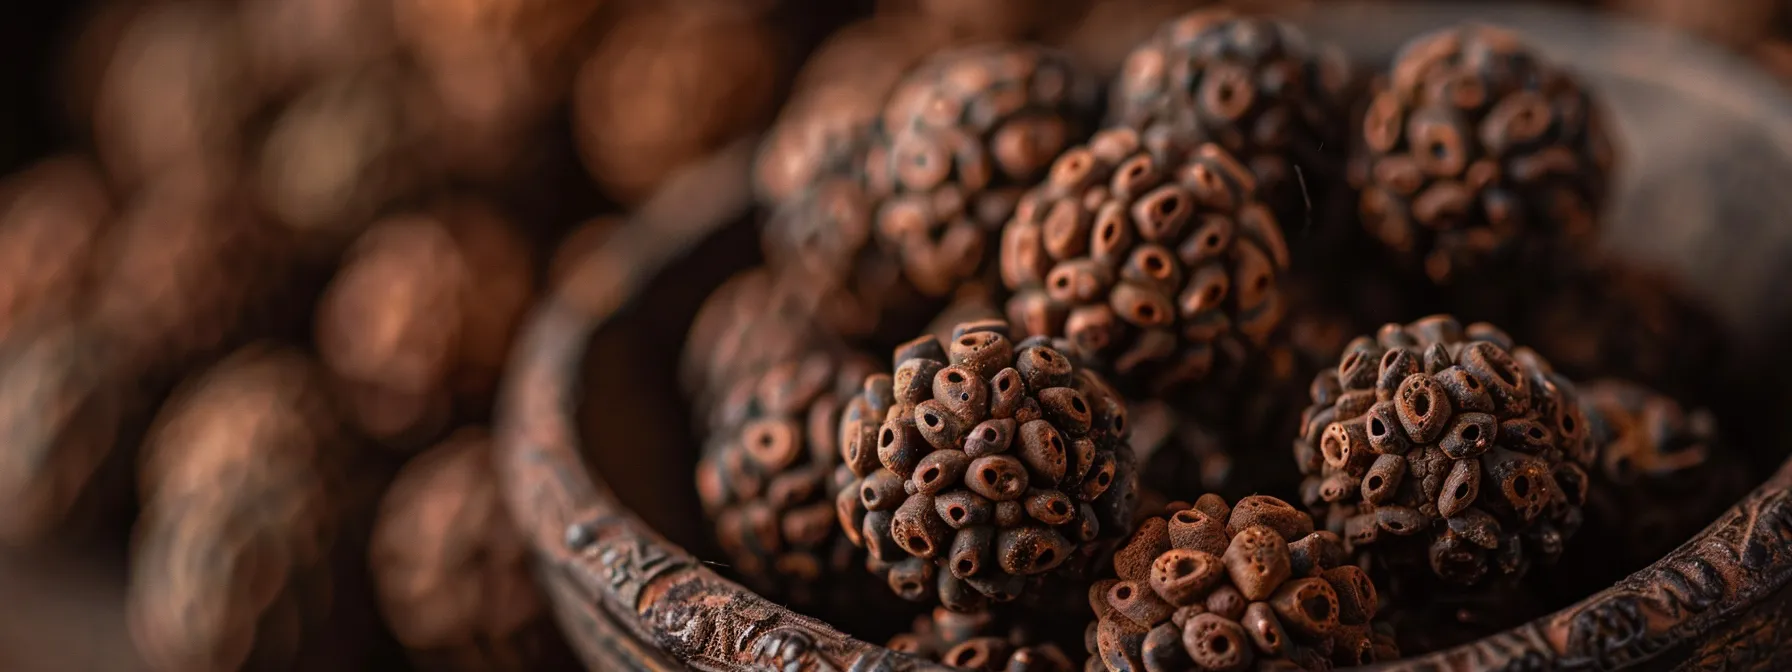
(1705, 145)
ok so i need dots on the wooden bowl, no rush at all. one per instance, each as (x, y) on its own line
(1706, 145)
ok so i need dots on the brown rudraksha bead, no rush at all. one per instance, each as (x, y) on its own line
(1218, 587)
(67, 396)
(908, 213)
(668, 84)
(1443, 450)
(1255, 86)
(771, 469)
(1152, 264)
(976, 641)
(752, 321)
(51, 215)
(1474, 148)
(422, 312)
(984, 468)
(237, 483)
(450, 569)
(837, 98)
(1662, 474)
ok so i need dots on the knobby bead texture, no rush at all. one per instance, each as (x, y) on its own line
(1435, 447)
(958, 140)
(1662, 473)
(984, 468)
(770, 471)
(1254, 86)
(1473, 147)
(1151, 262)
(1230, 588)
(977, 642)
(753, 321)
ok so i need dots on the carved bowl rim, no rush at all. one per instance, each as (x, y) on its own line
(628, 598)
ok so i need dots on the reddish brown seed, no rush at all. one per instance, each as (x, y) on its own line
(940, 470)
(1383, 479)
(1356, 594)
(881, 491)
(1279, 516)
(989, 437)
(1423, 407)
(938, 425)
(966, 395)
(1460, 489)
(1183, 577)
(1217, 643)
(1043, 451)
(1007, 390)
(1400, 520)
(1051, 507)
(1024, 551)
(1133, 560)
(986, 353)
(1226, 602)
(911, 578)
(1197, 530)
(1386, 432)
(1265, 629)
(1307, 606)
(1043, 368)
(998, 477)
(1257, 561)
(1315, 553)
(1162, 649)
(972, 550)
(1101, 477)
(962, 508)
(900, 445)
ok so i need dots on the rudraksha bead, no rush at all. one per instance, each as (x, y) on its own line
(668, 84)
(909, 212)
(1662, 473)
(976, 641)
(837, 98)
(751, 322)
(1443, 450)
(960, 138)
(187, 270)
(1250, 586)
(67, 397)
(984, 469)
(450, 569)
(339, 153)
(1255, 86)
(1152, 264)
(51, 215)
(174, 93)
(771, 469)
(1474, 148)
(239, 513)
(421, 312)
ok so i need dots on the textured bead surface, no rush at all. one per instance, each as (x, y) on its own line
(1152, 264)
(770, 471)
(1255, 86)
(984, 469)
(1494, 445)
(237, 517)
(979, 642)
(450, 569)
(1212, 586)
(1473, 147)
